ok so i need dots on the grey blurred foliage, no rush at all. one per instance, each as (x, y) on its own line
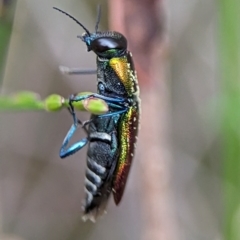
(194, 87)
(40, 194)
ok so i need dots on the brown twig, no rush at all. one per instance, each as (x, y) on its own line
(142, 23)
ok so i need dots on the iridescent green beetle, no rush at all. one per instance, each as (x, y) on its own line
(111, 137)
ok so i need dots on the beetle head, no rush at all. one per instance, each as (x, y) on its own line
(104, 44)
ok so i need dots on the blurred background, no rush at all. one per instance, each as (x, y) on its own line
(184, 183)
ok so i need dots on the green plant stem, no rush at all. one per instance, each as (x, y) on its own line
(229, 49)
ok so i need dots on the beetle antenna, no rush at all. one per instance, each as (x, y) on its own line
(73, 19)
(98, 17)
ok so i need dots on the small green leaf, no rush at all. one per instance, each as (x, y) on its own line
(95, 106)
(79, 104)
(54, 103)
(21, 101)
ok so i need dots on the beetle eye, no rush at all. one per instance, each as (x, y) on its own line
(104, 44)
(101, 87)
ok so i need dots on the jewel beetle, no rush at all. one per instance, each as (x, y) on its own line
(111, 137)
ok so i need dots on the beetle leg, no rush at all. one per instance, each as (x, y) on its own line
(112, 113)
(67, 151)
(85, 123)
(115, 105)
(76, 121)
(74, 98)
(71, 71)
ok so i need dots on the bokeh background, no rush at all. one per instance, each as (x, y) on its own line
(184, 183)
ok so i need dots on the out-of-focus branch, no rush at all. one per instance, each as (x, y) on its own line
(142, 21)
